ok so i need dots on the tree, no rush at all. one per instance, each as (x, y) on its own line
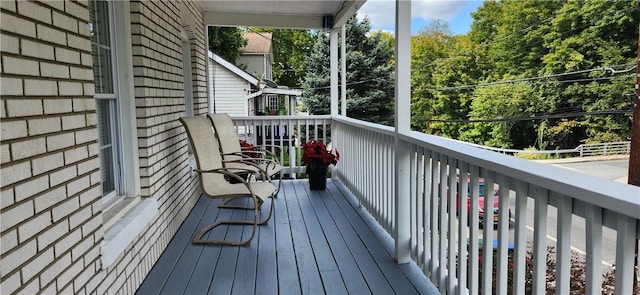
(432, 44)
(226, 42)
(369, 75)
(501, 105)
(585, 49)
(290, 50)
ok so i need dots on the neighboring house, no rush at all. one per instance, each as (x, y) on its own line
(239, 93)
(230, 88)
(257, 55)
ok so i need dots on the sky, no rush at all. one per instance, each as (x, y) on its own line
(456, 12)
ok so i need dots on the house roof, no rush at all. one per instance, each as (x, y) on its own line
(257, 43)
(233, 68)
(301, 14)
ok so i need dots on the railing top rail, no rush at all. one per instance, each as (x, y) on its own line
(273, 118)
(387, 130)
(607, 194)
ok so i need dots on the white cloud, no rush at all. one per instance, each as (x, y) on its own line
(382, 12)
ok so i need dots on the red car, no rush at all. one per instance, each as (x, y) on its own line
(481, 207)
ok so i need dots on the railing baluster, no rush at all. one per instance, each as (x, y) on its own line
(625, 248)
(540, 240)
(474, 253)
(487, 237)
(420, 182)
(460, 203)
(563, 249)
(442, 221)
(503, 232)
(451, 216)
(428, 209)
(593, 276)
(414, 206)
(435, 229)
(520, 255)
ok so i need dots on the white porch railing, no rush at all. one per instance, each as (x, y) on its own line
(584, 150)
(444, 246)
(285, 132)
(607, 148)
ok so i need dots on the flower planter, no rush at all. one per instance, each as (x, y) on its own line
(317, 177)
(317, 158)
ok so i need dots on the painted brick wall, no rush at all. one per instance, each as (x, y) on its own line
(50, 209)
(162, 141)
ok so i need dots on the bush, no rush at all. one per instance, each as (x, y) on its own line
(577, 276)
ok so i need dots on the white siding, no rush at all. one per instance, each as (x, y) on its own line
(227, 91)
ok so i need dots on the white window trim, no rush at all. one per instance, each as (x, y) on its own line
(133, 214)
(277, 100)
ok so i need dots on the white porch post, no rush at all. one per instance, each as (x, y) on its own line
(403, 126)
(333, 47)
(343, 71)
(333, 63)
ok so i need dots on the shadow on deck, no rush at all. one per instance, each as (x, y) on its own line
(317, 242)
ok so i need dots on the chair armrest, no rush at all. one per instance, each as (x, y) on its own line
(230, 172)
(263, 172)
(263, 148)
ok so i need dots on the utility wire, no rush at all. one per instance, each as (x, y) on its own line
(472, 86)
(532, 118)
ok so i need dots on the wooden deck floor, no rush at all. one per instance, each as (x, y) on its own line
(318, 242)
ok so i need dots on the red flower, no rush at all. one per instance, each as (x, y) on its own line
(246, 147)
(315, 151)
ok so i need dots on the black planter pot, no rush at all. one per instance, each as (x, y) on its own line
(317, 177)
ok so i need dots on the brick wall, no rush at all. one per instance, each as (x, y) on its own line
(50, 209)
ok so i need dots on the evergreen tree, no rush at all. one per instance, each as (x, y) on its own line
(369, 75)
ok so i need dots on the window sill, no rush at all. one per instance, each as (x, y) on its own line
(124, 223)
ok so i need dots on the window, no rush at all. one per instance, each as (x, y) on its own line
(107, 102)
(273, 102)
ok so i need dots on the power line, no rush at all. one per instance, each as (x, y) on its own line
(606, 68)
(532, 118)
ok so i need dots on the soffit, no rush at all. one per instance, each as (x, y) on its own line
(300, 14)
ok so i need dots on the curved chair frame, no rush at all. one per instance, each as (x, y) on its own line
(213, 183)
(232, 151)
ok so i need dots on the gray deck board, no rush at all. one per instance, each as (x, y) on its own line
(317, 242)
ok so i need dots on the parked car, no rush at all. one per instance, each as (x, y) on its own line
(495, 217)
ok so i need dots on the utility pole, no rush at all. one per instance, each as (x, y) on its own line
(634, 154)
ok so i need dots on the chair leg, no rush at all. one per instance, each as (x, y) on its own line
(198, 238)
(271, 208)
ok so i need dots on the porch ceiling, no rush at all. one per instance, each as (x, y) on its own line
(300, 14)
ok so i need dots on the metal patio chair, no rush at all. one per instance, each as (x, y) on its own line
(228, 139)
(212, 179)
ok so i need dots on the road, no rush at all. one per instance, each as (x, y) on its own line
(613, 169)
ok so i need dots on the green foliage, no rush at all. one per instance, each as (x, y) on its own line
(369, 75)
(513, 40)
(290, 50)
(226, 42)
